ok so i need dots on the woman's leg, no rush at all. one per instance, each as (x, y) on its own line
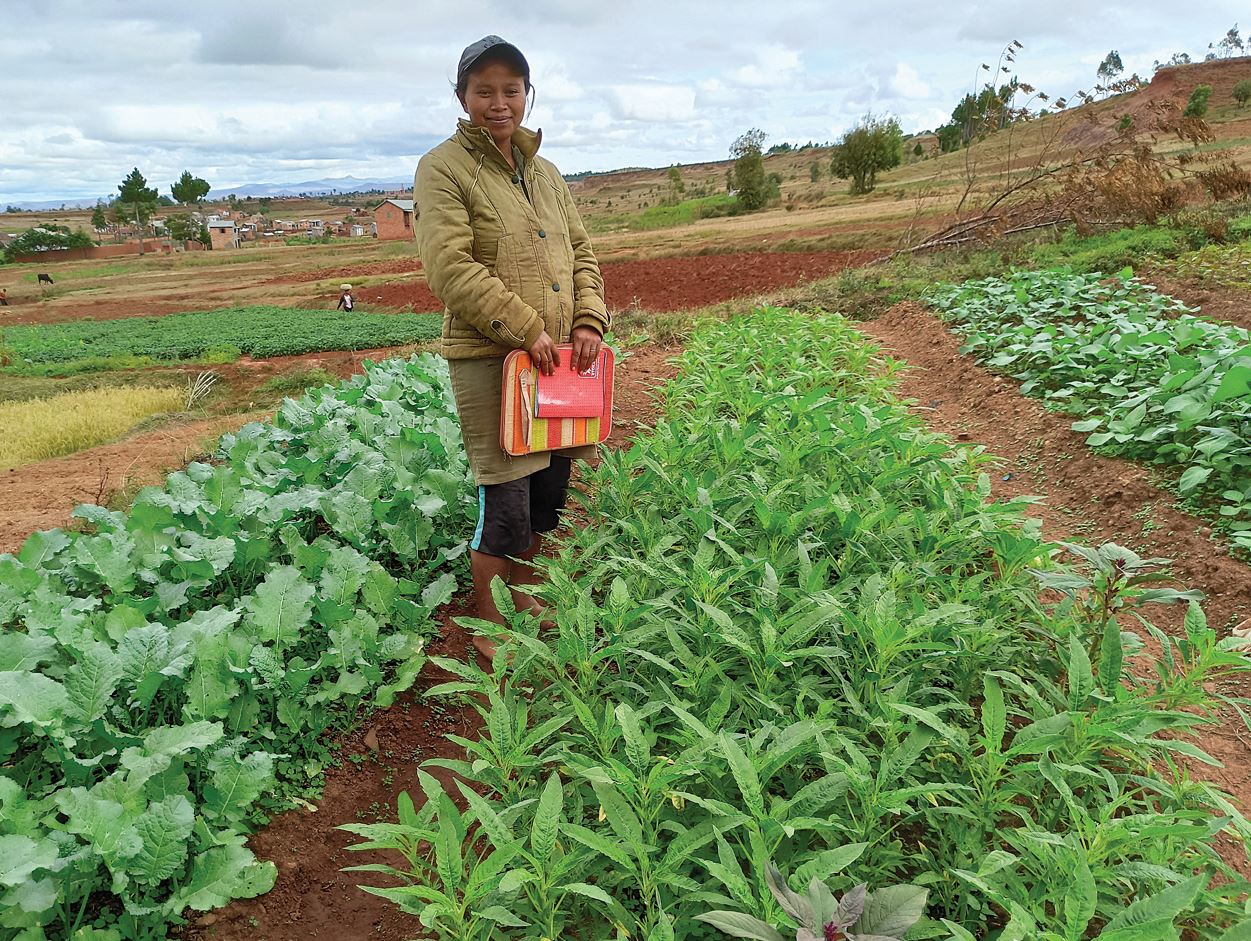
(485, 568)
(524, 574)
(549, 489)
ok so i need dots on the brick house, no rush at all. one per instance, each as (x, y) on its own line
(222, 234)
(394, 219)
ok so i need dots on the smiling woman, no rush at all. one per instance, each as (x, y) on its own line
(505, 251)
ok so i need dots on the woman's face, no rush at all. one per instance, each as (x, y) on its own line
(495, 98)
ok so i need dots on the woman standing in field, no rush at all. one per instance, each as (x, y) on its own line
(504, 249)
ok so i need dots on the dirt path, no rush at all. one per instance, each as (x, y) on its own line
(314, 900)
(1087, 498)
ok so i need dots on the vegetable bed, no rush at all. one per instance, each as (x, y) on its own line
(257, 331)
(798, 634)
(1154, 382)
(166, 676)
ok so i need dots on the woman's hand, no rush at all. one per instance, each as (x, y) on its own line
(544, 355)
(586, 344)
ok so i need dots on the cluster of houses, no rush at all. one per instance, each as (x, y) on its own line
(234, 228)
(392, 219)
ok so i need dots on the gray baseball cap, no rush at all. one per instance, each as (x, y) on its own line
(473, 52)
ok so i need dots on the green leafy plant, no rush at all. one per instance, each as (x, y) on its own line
(166, 674)
(1150, 380)
(258, 331)
(799, 634)
(883, 915)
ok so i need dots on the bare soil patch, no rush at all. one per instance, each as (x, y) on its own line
(1087, 498)
(29, 313)
(394, 266)
(678, 283)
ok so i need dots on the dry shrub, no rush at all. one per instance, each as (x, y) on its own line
(1132, 187)
(1212, 224)
(1226, 181)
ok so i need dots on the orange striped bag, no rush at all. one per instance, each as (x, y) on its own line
(521, 432)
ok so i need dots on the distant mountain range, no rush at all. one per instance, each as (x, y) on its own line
(343, 184)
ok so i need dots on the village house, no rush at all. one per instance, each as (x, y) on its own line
(393, 219)
(222, 233)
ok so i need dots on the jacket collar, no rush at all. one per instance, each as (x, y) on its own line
(480, 139)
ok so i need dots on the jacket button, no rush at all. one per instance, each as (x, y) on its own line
(555, 287)
(542, 234)
(516, 179)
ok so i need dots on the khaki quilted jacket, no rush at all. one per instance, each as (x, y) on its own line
(507, 261)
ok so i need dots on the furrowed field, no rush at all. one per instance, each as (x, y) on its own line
(910, 598)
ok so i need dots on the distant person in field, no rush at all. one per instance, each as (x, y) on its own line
(505, 251)
(345, 298)
(4, 297)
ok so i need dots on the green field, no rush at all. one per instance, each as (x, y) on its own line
(218, 335)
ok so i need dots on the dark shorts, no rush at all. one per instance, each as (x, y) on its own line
(511, 513)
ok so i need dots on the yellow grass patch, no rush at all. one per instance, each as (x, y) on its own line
(43, 428)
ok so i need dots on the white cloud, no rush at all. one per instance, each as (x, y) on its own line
(775, 66)
(907, 83)
(663, 103)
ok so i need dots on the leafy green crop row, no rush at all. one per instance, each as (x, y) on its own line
(798, 634)
(1155, 382)
(258, 331)
(159, 673)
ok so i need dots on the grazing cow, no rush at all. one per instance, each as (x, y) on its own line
(45, 278)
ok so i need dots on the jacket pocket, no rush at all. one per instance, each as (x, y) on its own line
(506, 266)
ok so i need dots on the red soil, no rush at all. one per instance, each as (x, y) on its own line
(663, 284)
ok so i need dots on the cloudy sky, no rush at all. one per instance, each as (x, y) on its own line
(250, 91)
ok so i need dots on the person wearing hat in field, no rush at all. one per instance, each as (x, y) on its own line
(504, 249)
(345, 298)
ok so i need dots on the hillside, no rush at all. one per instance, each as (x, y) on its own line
(822, 214)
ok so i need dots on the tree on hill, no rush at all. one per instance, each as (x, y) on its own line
(1179, 58)
(46, 238)
(1242, 92)
(1229, 46)
(138, 199)
(98, 219)
(1110, 68)
(976, 115)
(873, 145)
(749, 178)
(189, 189)
(674, 187)
(949, 138)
